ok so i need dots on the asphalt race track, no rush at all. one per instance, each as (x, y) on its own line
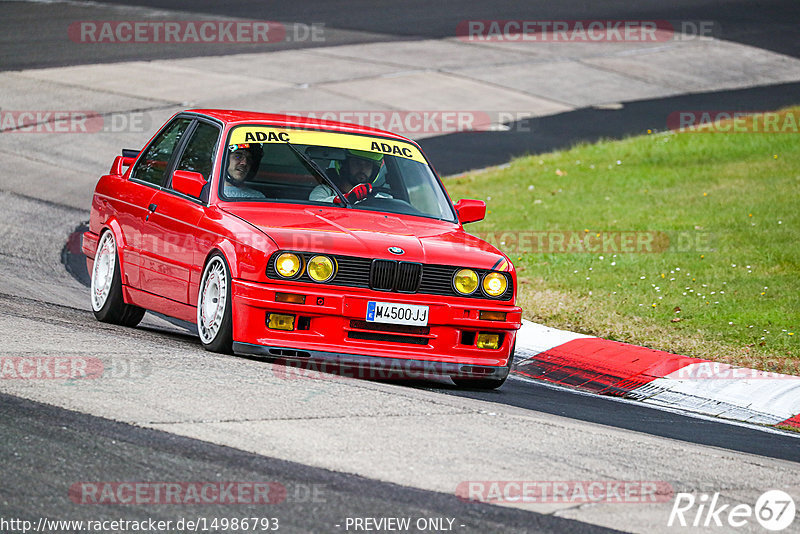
(315, 499)
(336, 449)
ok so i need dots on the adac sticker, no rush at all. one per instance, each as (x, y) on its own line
(265, 134)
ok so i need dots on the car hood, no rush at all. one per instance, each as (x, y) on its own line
(368, 234)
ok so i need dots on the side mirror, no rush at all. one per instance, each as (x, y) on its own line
(119, 163)
(470, 210)
(188, 182)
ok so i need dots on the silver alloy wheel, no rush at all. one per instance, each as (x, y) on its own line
(212, 300)
(105, 260)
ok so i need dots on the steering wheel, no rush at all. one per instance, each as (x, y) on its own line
(374, 194)
(381, 189)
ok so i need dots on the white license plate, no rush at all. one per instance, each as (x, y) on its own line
(396, 313)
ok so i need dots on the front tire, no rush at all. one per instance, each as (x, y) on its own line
(108, 304)
(214, 306)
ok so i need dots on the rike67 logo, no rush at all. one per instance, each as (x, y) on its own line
(774, 510)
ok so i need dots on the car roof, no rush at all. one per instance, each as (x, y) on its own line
(234, 117)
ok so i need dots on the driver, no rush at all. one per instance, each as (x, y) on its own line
(243, 162)
(354, 175)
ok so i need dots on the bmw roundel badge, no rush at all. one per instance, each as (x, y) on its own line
(396, 250)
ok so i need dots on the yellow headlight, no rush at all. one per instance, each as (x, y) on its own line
(320, 268)
(465, 281)
(288, 264)
(494, 284)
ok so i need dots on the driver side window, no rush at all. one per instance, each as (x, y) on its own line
(198, 156)
(152, 165)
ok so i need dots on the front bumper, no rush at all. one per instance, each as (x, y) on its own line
(331, 327)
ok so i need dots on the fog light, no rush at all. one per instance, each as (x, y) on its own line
(488, 341)
(291, 298)
(492, 315)
(279, 321)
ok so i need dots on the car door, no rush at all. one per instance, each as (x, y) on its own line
(144, 182)
(172, 228)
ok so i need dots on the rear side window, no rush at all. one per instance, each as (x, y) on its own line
(152, 165)
(199, 153)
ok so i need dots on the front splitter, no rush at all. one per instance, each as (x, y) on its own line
(310, 362)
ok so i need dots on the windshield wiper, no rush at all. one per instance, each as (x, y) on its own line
(314, 166)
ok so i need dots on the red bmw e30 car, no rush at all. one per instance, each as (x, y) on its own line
(302, 240)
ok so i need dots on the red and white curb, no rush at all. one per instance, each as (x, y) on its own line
(656, 377)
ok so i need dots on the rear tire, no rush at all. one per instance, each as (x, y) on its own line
(108, 304)
(214, 306)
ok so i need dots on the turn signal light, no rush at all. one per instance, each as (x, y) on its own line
(279, 321)
(492, 315)
(291, 298)
(488, 341)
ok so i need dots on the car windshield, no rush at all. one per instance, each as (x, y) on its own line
(270, 164)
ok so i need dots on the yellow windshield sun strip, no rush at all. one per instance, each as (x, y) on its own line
(265, 134)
